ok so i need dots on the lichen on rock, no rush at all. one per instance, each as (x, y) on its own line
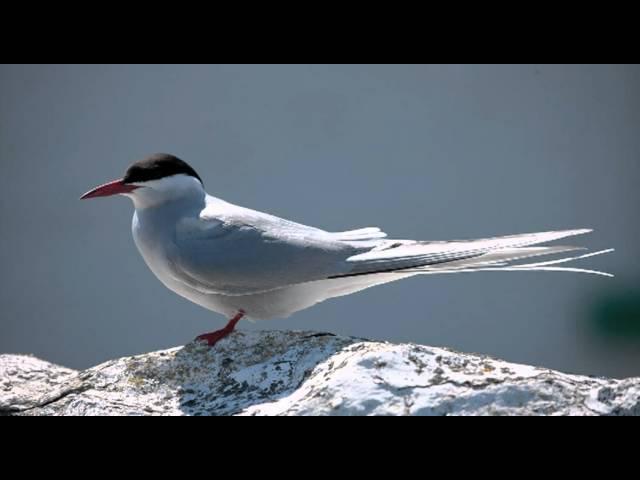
(306, 373)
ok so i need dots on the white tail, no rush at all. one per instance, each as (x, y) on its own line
(489, 254)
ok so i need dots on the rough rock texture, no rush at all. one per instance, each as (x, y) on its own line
(305, 373)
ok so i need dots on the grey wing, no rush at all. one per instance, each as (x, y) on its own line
(236, 251)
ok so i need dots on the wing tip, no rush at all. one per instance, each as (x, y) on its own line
(574, 231)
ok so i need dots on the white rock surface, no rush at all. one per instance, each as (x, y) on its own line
(305, 373)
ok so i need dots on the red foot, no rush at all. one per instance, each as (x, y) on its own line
(214, 337)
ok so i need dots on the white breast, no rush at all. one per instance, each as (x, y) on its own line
(152, 243)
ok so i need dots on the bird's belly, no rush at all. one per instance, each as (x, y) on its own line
(285, 301)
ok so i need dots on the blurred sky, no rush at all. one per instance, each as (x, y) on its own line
(425, 152)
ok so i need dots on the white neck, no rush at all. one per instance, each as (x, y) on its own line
(154, 193)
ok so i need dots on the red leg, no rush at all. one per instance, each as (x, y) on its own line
(214, 337)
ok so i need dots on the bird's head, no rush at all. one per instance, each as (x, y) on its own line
(153, 181)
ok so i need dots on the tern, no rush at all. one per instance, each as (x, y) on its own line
(244, 263)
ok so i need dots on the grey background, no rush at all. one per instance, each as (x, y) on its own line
(425, 152)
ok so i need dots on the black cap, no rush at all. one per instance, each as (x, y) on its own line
(158, 166)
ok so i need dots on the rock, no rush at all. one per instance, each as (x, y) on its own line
(26, 382)
(305, 373)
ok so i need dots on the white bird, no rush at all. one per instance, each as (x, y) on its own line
(241, 262)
